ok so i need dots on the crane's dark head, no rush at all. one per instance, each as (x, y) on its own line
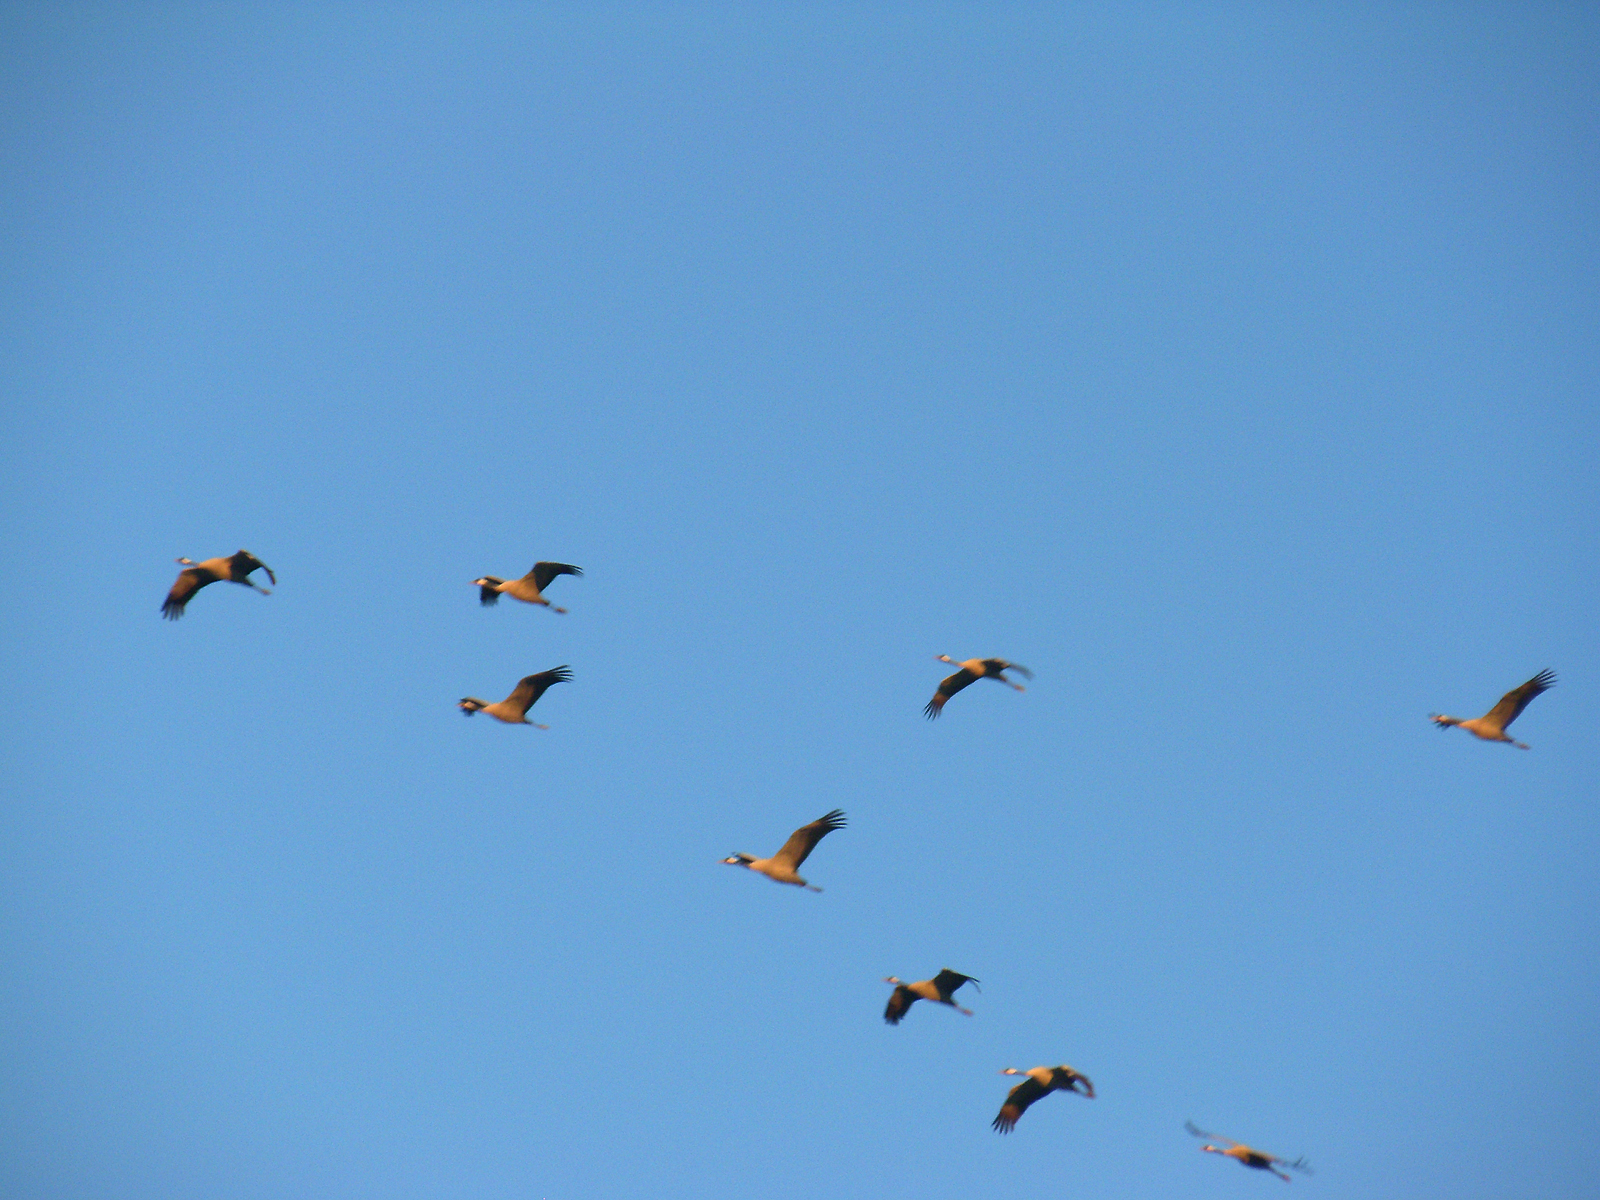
(739, 860)
(470, 704)
(1442, 721)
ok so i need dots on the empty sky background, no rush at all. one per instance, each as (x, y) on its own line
(1233, 367)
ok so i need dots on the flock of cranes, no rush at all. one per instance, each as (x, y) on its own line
(783, 866)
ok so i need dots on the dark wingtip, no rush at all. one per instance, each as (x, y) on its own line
(933, 709)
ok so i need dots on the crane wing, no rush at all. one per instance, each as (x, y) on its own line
(244, 562)
(803, 840)
(947, 981)
(531, 687)
(544, 572)
(1068, 1078)
(1017, 1101)
(190, 580)
(1514, 701)
(900, 1001)
(1001, 664)
(1209, 1137)
(948, 686)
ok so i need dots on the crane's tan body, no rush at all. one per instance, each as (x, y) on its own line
(521, 589)
(503, 711)
(1250, 1158)
(1479, 727)
(776, 871)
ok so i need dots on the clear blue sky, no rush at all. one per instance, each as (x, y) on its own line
(1233, 367)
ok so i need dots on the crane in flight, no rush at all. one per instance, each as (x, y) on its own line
(939, 989)
(1040, 1082)
(783, 867)
(235, 568)
(971, 671)
(529, 589)
(513, 710)
(1491, 727)
(1258, 1159)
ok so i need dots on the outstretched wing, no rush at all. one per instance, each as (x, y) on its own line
(544, 572)
(189, 581)
(803, 840)
(900, 1001)
(531, 687)
(1017, 1101)
(948, 686)
(1299, 1164)
(947, 981)
(1066, 1077)
(1514, 701)
(1209, 1137)
(999, 664)
(244, 562)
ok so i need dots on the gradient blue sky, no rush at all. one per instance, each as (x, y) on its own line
(1233, 367)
